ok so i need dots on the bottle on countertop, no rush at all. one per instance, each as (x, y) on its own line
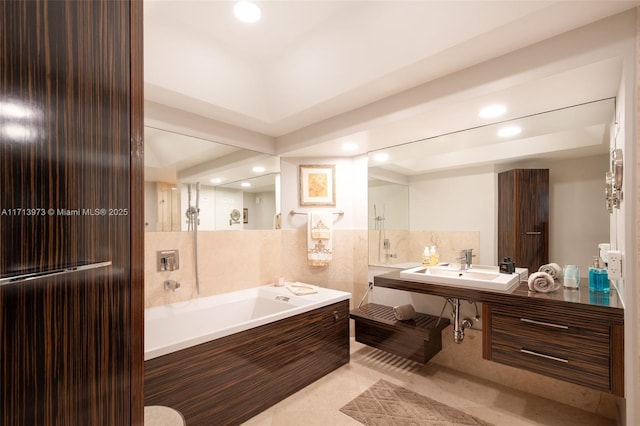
(598, 277)
(434, 257)
(426, 257)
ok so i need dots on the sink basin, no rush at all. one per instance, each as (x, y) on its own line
(478, 277)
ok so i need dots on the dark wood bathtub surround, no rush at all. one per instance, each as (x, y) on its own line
(71, 345)
(229, 380)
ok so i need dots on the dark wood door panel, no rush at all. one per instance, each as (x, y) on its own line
(65, 199)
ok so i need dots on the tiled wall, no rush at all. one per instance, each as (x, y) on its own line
(637, 162)
(236, 260)
(408, 246)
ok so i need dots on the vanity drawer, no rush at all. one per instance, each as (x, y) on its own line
(553, 348)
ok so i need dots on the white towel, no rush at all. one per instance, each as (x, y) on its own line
(300, 289)
(552, 269)
(542, 282)
(404, 312)
(319, 239)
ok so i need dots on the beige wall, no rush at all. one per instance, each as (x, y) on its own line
(636, 403)
(236, 260)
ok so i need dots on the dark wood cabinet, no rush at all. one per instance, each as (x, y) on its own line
(71, 185)
(523, 217)
(577, 347)
(577, 338)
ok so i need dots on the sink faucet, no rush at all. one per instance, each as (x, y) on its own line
(466, 258)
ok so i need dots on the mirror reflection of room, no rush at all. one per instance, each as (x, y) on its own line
(451, 186)
(189, 179)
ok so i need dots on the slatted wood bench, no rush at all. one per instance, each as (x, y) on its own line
(418, 340)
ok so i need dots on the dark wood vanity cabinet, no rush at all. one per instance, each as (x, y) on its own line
(523, 217)
(575, 335)
(576, 347)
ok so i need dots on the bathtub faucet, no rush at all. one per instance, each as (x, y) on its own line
(172, 285)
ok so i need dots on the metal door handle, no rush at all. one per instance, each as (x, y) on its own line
(52, 272)
(546, 324)
(553, 358)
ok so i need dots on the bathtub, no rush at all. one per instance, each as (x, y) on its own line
(169, 328)
(223, 359)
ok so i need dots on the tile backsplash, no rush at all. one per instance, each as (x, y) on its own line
(236, 260)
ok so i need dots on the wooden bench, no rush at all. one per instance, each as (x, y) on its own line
(418, 340)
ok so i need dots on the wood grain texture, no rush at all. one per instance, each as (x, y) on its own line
(523, 217)
(229, 380)
(617, 360)
(418, 340)
(597, 326)
(137, 212)
(67, 341)
(583, 344)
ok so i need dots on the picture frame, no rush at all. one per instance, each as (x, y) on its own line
(245, 215)
(317, 184)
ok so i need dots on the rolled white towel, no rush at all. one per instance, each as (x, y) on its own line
(542, 282)
(552, 269)
(404, 312)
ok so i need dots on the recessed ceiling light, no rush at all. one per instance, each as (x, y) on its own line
(381, 157)
(216, 180)
(258, 169)
(492, 111)
(245, 184)
(349, 146)
(247, 11)
(506, 132)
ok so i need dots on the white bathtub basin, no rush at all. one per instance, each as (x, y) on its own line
(478, 278)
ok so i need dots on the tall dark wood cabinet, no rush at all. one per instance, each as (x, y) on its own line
(523, 217)
(71, 213)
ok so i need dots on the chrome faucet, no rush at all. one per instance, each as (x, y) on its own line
(466, 259)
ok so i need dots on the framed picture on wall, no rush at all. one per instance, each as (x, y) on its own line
(317, 184)
(245, 215)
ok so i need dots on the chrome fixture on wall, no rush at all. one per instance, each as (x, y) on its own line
(193, 220)
(172, 285)
(168, 260)
(613, 179)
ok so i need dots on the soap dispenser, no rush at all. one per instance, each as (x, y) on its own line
(598, 277)
(434, 258)
(426, 257)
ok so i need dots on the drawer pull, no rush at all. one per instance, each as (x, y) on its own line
(525, 351)
(547, 324)
(533, 233)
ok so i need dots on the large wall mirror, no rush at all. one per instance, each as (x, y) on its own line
(443, 190)
(233, 188)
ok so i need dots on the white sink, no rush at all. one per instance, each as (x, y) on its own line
(478, 277)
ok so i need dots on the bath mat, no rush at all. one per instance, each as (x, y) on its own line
(387, 404)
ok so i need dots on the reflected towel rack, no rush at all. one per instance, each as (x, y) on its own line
(52, 272)
(293, 212)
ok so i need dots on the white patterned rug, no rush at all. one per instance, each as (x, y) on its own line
(387, 404)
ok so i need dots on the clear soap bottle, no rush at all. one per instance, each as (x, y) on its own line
(434, 258)
(598, 277)
(426, 257)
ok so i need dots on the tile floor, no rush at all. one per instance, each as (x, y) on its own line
(319, 403)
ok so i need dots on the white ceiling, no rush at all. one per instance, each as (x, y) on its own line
(309, 70)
